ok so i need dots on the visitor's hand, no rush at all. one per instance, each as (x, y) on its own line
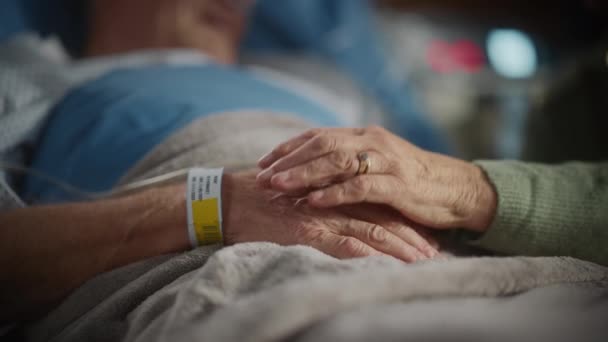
(254, 214)
(433, 190)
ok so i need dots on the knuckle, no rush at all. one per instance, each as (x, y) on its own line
(309, 235)
(378, 234)
(340, 193)
(313, 132)
(351, 246)
(325, 143)
(392, 165)
(401, 230)
(381, 135)
(281, 149)
(342, 161)
(376, 130)
(360, 188)
(359, 131)
(359, 183)
(301, 232)
(420, 169)
(308, 172)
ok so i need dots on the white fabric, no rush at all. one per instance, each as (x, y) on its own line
(264, 292)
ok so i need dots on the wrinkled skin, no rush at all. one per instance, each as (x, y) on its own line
(252, 214)
(433, 190)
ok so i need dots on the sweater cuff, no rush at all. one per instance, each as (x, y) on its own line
(548, 209)
(513, 208)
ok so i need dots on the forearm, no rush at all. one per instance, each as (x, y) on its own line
(549, 210)
(48, 251)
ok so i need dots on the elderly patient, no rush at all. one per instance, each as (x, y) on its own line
(368, 190)
(100, 130)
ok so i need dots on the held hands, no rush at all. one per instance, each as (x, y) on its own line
(253, 214)
(433, 190)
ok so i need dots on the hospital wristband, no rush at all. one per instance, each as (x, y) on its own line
(204, 206)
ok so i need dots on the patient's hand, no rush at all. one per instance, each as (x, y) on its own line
(36, 276)
(255, 214)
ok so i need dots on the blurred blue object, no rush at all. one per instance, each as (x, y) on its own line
(343, 32)
(340, 30)
(64, 18)
(12, 19)
(512, 53)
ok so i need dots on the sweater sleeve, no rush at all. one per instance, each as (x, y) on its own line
(549, 210)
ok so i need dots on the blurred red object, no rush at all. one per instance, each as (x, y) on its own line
(460, 56)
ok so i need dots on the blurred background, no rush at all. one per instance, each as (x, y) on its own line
(505, 76)
(501, 77)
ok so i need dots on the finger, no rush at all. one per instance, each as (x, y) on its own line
(381, 239)
(286, 148)
(413, 238)
(379, 189)
(290, 145)
(343, 247)
(331, 168)
(316, 147)
(394, 222)
(430, 239)
(317, 173)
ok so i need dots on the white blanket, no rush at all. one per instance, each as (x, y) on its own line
(265, 292)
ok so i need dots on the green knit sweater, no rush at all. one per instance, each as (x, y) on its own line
(549, 210)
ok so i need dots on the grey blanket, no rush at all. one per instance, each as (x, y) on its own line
(265, 292)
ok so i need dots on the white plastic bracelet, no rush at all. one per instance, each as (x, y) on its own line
(204, 202)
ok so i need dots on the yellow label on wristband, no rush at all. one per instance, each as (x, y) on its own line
(204, 202)
(205, 216)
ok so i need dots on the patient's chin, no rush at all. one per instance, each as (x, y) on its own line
(220, 54)
(219, 45)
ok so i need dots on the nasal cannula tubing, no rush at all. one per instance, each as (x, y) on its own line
(121, 190)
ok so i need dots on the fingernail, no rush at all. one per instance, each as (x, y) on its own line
(281, 178)
(264, 176)
(265, 160)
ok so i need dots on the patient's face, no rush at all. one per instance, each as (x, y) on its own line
(211, 26)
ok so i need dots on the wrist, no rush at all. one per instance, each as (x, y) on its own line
(168, 205)
(154, 222)
(485, 203)
(227, 204)
(242, 202)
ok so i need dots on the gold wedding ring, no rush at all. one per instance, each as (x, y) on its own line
(364, 163)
